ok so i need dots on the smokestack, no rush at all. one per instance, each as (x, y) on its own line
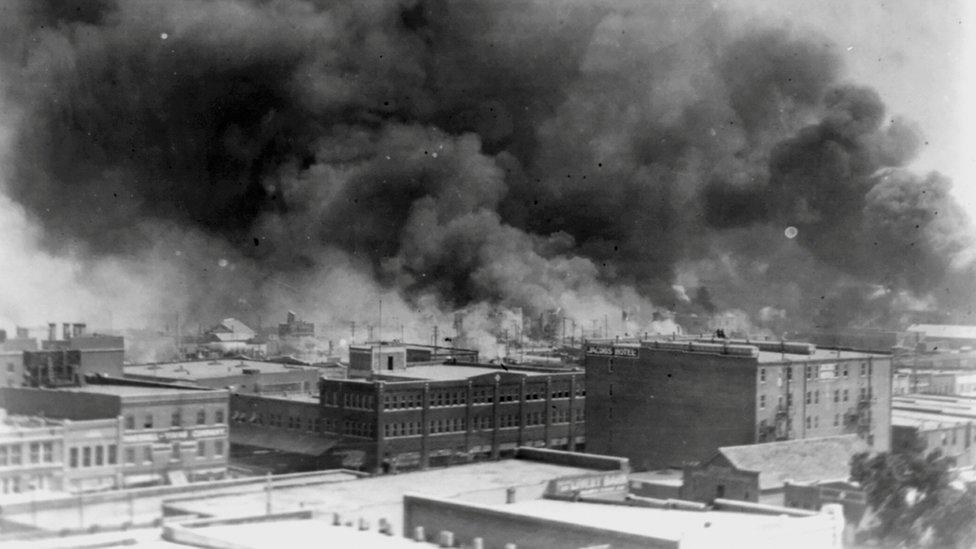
(52, 331)
(3, 336)
(78, 329)
(66, 330)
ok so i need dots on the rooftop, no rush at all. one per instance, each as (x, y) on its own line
(801, 460)
(671, 524)
(131, 390)
(449, 372)
(936, 404)
(14, 423)
(206, 369)
(763, 351)
(382, 497)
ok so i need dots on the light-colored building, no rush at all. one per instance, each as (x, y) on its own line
(935, 422)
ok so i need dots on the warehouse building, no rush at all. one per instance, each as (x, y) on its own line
(440, 414)
(668, 403)
(931, 422)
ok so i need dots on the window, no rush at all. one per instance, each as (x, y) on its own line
(845, 369)
(201, 449)
(35, 452)
(176, 455)
(762, 375)
(845, 395)
(73, 458)
(762, 401)
(10, 366)
(809, 372)
(99, 455)
(218, 448)
(219, 416)
(816, 396)
(201, 417)
(130, 422)
(112, 454)
(177, 419)
(864, 369)
(837, 395)
(147, 454)
(836, 420)
(809, 395)
(789, 374)
(86, 456)
(148, 422)
(47, 450)
(130, 455)
(809, 422)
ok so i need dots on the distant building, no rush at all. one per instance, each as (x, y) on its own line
(76, 351)
(232, 335)
(239, 375)
(935, 382)
(169, 435)
(945, 336)
(419, 416)
(935, 422)
(667, 403)
(873, 341)
(12, 365)
(294, 327)
(760, 472)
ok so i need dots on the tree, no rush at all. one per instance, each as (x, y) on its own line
(914, 501)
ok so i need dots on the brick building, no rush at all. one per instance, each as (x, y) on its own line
(169, 435)
(440, 414)
(12, 365)
(376, 358)
(242, 376)
(668, 403)
(277, 433)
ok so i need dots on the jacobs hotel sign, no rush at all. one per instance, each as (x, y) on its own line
(610, 350)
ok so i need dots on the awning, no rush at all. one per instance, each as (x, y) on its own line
(293, 442)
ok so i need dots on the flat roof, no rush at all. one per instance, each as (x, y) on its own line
(132, 390)
(958, 405)
(925, 421)
(300, 534)
(382, 497)
(14, 423)
(670, 477)
(671, 524)
(204, 369)
(448, 372)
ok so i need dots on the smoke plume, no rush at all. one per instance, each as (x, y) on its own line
(584, 157)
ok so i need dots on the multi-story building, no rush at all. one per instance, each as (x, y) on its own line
(278, 433)
(667, 403)
(97, 353)
(438, 414)
(12, 365)
(935, 382)
(378, 358)
(241, 376)
(169, 435)
(930, 422)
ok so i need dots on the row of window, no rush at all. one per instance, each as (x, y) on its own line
(295, 423)
(813, 397)
(92, 456)
(38, 452)
(144, 454)
(148, 421)
(439, 399)
(814, 371)
(478, 422)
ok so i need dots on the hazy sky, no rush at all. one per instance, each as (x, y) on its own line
(916, 54)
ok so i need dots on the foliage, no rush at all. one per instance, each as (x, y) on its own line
(914, 501)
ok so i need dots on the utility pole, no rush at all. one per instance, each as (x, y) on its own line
(379, 327)
(435, 338)
(606, 327)
(353, 332)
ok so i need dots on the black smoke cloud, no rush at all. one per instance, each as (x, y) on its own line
(508, 153)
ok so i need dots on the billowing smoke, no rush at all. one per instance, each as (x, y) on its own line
(589, 158)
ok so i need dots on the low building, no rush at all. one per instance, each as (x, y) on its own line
(377, 358)
(440, 414)
(239, 375)
(294, 327)
(760, 472)
(44, 454)
(815, 495)
(932, 422)
(169, 435)
(961, 382)
(12, 365)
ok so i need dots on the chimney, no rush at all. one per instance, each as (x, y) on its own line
(52, 331)
(78, 329)
(66, 330)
